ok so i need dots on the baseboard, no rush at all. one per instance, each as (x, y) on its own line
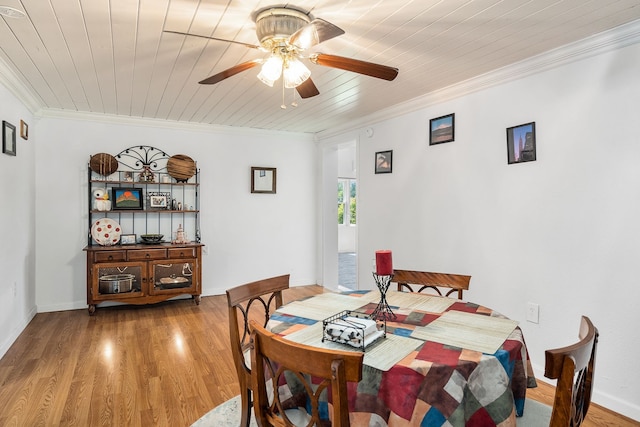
(15, 333)
(605, 400)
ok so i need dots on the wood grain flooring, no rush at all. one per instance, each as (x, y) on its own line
(159, 365)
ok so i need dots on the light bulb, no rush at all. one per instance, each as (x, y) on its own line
(295, 73)
(271, 70)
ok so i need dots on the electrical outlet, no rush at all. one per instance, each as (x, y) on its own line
(533, 312)
(205, 250)
(14, 289)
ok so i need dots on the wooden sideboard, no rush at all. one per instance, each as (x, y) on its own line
(155, 273)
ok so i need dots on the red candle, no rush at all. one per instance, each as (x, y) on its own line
(384, 265)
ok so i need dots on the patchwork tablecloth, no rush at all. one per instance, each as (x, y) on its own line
(437, 384)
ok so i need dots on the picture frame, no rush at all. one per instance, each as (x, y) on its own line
(126, 198)
(263, 180)
(384, 161)
(128, 239)
(442, 129)
(158, 200)
(521, 143)
(24, 130)
(8, 138)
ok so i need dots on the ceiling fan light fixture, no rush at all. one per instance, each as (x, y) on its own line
(295, 73)
(271, 70)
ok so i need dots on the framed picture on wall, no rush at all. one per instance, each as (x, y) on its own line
(8, 138)
(263, 180)
(442, 129)
(24, 130)
(384, 161)
(521, 143)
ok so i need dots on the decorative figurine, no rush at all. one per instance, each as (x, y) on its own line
(181, 236)
(101, 200)
(146, 175)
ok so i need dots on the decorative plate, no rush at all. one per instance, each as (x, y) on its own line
(181, 167)
(106, 232)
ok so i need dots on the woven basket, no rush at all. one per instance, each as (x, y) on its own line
(181, 167)
(103, 164)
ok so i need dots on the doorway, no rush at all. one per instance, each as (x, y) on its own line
(347, 192)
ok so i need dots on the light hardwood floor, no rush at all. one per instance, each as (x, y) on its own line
(158, 365)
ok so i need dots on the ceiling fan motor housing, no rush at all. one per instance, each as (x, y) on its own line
(275, 25)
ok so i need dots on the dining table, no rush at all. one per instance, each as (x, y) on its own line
(440, 362)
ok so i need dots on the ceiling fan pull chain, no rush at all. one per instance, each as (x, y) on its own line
(283, 106)
(294, 103)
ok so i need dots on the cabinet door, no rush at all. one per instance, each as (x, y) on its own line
(173, 276)
(118, 280)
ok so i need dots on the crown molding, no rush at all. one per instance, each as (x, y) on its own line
(617, 38)
(13, 84)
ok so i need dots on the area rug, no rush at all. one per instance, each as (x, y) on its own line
(226, 414)
(536, 414)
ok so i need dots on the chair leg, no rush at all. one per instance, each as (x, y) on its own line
(245, 398)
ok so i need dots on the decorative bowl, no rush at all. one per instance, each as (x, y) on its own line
(151, 238)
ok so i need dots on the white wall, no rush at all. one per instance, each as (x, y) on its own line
(17, 214)
(562, 231)
(247, 236)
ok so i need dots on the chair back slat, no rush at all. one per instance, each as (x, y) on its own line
(312, 369)
(251, 301)
(443, 284)
(573, 366)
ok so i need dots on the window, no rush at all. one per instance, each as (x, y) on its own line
(347, 198)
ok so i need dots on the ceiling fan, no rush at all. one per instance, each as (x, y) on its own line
(285, 33)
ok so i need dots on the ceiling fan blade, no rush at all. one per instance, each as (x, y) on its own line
(315, 32)
(355, 65)
(253, 46)
(230, 72)
(307, 89)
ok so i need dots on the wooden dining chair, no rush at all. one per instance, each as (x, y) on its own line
(418, 281)
(255, 300)
(275, 359)
(573, 367)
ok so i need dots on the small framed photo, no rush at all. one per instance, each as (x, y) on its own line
(384, 161)
(521, 143)
(128, 239)
(127, 176)
(442, 129)
(126, 198)
(158, 201)
(24, 130)
(8, 138)
(263, 180)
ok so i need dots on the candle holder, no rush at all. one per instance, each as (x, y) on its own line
(383, 311)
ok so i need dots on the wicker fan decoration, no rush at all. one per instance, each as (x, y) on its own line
(103, 164)
(181, 167)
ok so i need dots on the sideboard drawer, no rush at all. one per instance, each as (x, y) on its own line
(141, 255)
(102, 256)
(182, 253)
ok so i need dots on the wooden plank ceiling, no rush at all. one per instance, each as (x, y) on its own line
(112, 57)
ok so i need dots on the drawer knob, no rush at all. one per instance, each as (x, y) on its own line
(147, 255)
(181, 254)
(110, 258)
